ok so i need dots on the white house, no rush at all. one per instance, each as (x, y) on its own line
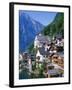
(36, 42)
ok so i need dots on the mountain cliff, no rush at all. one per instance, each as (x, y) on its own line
(28, 29)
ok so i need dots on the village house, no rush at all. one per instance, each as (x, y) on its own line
(53, 70)
(42, 52)
(58, 60)
(41, 43)
(40, 40)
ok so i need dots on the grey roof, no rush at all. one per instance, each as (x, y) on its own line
(42, 51)
(43, 38)
(53, 72)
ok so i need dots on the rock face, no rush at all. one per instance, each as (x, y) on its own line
(28, 29)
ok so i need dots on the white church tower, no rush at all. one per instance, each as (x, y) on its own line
(37, 42)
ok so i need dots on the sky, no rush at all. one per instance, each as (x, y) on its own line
(43, 17)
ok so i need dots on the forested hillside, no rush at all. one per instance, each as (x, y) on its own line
(56, 27)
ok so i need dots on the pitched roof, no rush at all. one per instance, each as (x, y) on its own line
(42, 51)
(43, 38)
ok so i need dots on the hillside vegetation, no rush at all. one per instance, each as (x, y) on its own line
(56, 27)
